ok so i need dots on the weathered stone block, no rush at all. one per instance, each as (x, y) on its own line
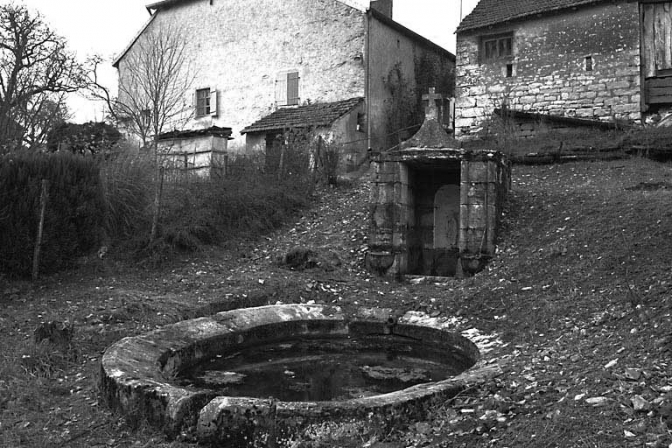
(465, 102)
(464, 122)
(589, 94)
(472, 112)
(480, 193)
(618, 85)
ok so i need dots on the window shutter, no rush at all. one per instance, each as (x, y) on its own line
(281, 90)
(293, 88)
(214, 111)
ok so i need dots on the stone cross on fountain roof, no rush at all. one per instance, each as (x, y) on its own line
(431, 111)
(431, 134)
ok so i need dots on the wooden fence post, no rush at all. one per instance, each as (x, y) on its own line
(157, 206)
(40, 228)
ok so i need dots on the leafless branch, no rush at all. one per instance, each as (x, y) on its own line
(36, 70)
(154, 77)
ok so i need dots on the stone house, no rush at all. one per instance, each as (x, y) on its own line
(254, 60)
(603, 60)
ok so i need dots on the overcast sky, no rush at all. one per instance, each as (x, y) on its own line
(105, 27)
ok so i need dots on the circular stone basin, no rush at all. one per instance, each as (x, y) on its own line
(276, 374)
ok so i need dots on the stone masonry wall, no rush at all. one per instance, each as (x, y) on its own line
(240, 46)
(548, 67)
(397, 213)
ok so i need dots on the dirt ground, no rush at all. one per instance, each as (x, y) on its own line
(579, 292)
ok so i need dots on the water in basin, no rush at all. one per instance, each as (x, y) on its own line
(325, 369)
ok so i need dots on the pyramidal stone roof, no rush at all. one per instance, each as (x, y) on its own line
(492, 12)
(311, 115)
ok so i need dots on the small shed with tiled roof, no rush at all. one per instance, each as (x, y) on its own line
(338, 121)
(568, 58)
(311, 115)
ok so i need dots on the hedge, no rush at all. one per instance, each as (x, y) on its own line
(74, 215)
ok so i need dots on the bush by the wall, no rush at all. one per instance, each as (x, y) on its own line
(246, 203)
(74, 212)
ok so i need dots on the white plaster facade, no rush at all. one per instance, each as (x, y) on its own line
(241, 48)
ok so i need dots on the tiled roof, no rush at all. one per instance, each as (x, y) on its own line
(213, 130)
(319, 114)
(491, 12)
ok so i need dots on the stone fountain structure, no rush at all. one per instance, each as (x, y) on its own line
(435, 207)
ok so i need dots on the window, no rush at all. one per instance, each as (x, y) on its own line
(202, 102)
(287, 89)
(589, 63)
(509, 70)
(206, 102)
(496, 47)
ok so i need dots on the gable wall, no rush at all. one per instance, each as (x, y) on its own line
(421, 67)
(548, 67)
(239, 47)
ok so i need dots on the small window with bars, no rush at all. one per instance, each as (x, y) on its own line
(287, 89)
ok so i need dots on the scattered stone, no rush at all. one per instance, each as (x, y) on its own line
(632, 374)
(611, 364)
(597, 401)
(640, 404)
(304, 258)
(300, 258)
(423, 427)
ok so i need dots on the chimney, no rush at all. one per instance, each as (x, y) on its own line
(383, 6)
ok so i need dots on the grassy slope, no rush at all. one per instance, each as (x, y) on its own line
(582, 278)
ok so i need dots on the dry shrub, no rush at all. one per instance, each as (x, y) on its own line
(128, 182)
(244, 202)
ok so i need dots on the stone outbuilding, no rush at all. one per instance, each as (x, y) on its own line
(605, 60)
(339, 122)
(202, 152)
(435, 207)
(253, 58)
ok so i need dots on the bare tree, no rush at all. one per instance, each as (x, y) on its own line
(35, 71)
(41, 115)
(154, 77)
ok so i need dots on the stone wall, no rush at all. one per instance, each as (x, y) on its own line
(484, 182)
(239, 47)
(548, 72)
